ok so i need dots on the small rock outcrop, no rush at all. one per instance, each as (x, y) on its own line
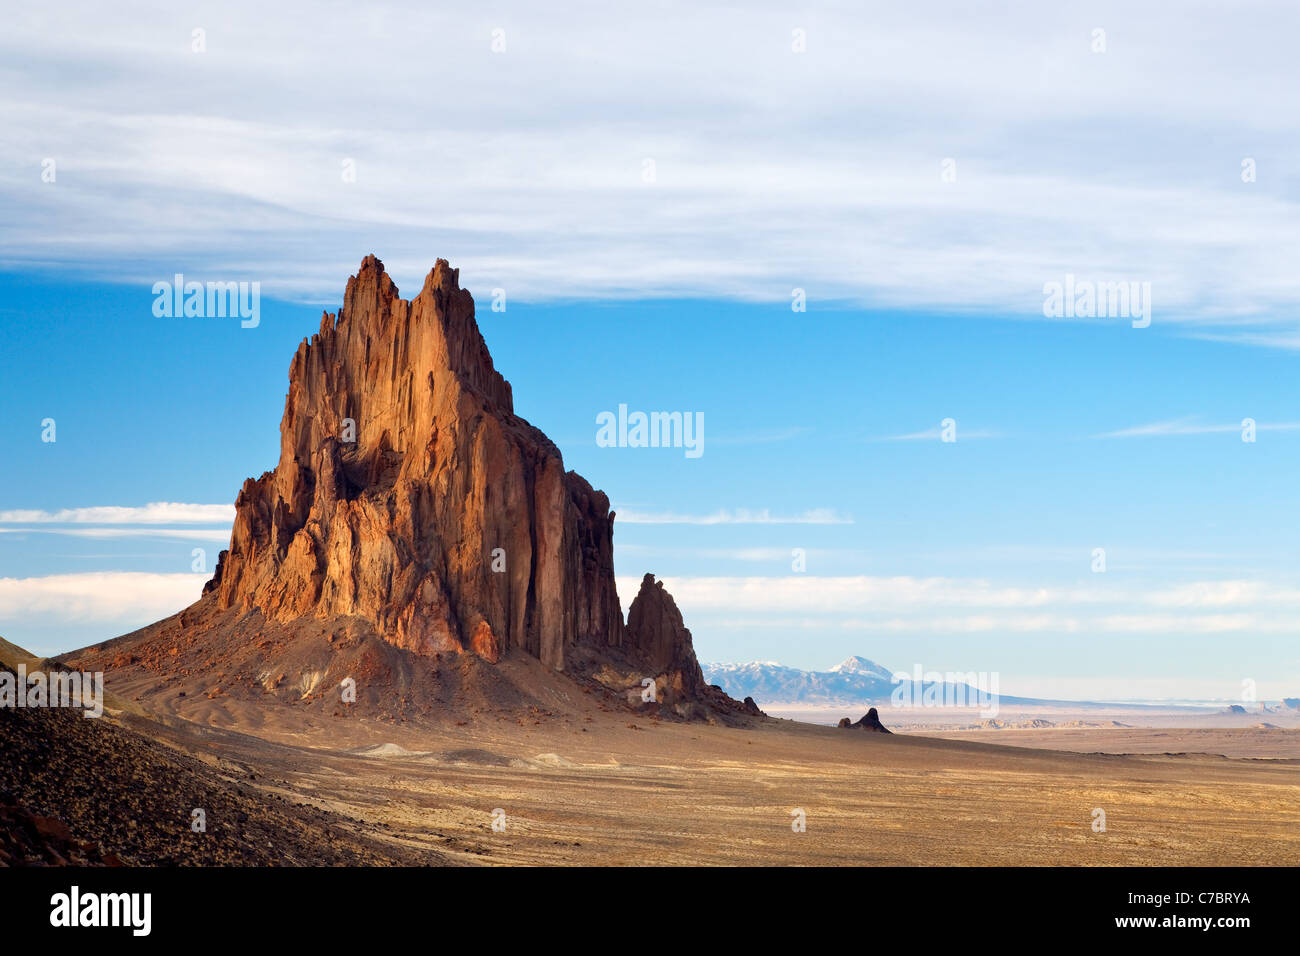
(870, 721)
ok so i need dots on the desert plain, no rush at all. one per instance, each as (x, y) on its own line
(590, 780)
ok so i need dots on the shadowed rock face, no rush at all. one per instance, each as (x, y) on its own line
(655, 629)
(870, 721)
(409, 494)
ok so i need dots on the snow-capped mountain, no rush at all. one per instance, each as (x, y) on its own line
(857, 681)
(861, 667)
(851, 681)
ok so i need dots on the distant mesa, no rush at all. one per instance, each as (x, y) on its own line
(413, 516)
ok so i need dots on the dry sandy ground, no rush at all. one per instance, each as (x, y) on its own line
(1259, 744)
(615, 788)
(1113, 731)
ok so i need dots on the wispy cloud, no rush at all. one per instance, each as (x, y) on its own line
(1272, 340)
(158, 512)
(190, 534)
(1190, 426)
(739, 516)
(1009, 623)
(754, 554)
(940, 605)
(534, 178)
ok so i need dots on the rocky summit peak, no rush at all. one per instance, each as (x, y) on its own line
(409, 495)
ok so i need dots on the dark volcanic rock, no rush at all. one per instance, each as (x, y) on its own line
(870, 721)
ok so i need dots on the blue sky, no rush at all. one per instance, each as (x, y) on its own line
(772, 171)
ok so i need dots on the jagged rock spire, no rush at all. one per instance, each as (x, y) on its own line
(410, 495)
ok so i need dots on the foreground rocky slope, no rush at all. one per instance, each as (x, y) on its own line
(122, 790)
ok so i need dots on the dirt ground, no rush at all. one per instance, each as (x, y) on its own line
(584, 778)
(614, 789)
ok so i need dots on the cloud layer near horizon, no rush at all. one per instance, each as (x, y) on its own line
(820, 170)
(968, 605)
(108, 596)
(57, 613)
(896, 603)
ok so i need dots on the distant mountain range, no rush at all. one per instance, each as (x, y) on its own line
(855, 680)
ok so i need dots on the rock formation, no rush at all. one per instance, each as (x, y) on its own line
(870, 721)
(655, 629)
(409, 495)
